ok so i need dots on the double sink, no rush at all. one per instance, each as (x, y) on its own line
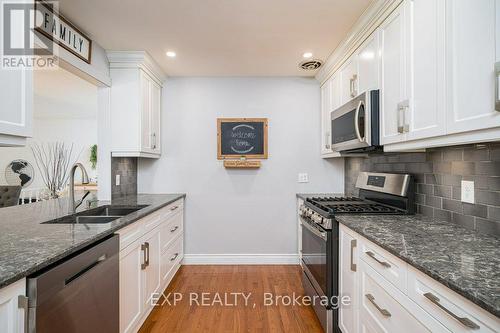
(99, 215)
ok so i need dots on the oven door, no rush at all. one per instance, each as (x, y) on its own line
(351, 125)
(315, 256)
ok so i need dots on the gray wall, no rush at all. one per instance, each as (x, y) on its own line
(240, 211)
(438, 174)
(126, 167)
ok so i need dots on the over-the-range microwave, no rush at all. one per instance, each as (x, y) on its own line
(355, 125)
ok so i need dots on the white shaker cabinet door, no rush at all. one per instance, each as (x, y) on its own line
(472, 31)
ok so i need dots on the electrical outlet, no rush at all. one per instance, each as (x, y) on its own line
(303, 178)
(467, 191)
(117, 180)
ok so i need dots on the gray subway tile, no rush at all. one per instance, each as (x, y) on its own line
(462, 168)
(425, 189)
(475, 210)
(443, 191)
(433, 201)
(453, 154)
(453, 205)
(442, 167)
(456, 193)
(432, 179)
(494, 213)
(444, 215)
(425, 210)
(488, 226)
(489, 168)
(465, 221)
(454, 180)
(413, 158)
(476, 154)
(488, 198)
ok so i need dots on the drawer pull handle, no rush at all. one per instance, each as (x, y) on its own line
(174, 257)
(353, 245)
(383, 263)
(384, 312)
(174, 228)
(174, 208)
(464, 321)
(145, 249)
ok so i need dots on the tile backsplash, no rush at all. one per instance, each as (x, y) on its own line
(126, 167)
(438, 175)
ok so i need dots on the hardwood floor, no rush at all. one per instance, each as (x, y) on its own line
(188, 315)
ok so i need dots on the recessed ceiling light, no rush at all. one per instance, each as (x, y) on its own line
(171, 54)
(307, 55)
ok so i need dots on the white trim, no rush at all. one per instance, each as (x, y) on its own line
(368, 22)
(120, 153)
(137, 59)
(241, 259)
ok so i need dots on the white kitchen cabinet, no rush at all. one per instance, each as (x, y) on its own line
(330, 99)
(150, 255)
(471, 41)
(368, 56)
(135, 105)
(349, 79)
(348, 281)
(16, 111)
(131, 290)
(12, 307)
(392, 81)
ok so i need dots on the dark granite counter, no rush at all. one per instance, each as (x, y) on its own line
(26, 245)
(463, 260)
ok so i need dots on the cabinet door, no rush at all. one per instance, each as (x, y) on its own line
(151, 275)
(425, 113)
(131, 299)
(146, 137)
(392, 78)
(471, 56)
(16, 94)
(325, 118)
(12, 314)
(348, 282)
(349, 79)
(156, 117)
(369, 64)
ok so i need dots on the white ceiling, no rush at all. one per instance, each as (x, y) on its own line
(219, 37)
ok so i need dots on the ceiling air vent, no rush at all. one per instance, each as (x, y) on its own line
(310, 65)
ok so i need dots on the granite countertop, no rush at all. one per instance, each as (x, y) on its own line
(26, 245)
(461, 259)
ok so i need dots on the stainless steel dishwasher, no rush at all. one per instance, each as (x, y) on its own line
(78, 295)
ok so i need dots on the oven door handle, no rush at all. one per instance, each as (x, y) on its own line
(315, 231)
(356, 122)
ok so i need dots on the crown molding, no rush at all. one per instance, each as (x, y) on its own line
(368, 22)
(136, 59)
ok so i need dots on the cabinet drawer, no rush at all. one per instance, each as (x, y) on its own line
(171, 259)
(170, 210)
(386, 264)
(386, 309)
(170, 230)
(454, 311)
(130, 234)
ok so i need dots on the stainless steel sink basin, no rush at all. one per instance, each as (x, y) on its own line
(99, 215)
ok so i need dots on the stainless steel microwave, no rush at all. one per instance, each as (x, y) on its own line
(355, 125)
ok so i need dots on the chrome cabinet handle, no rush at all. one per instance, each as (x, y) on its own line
(383, 263)
(153, 139)
(354, 243)
(464, 321)
(350, 86)
(353, 91)
(403, 126)
(174, 257)
(384, 312)
(22, 303)
(497, 86)
(174, 228)
(174, 208)
(145, 249)
(356, 122)
(327, 140)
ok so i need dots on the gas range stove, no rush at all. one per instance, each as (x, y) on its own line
(379, 193)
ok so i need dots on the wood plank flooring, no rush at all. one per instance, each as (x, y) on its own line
(255, 316)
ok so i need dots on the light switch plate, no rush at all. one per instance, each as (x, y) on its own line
(467, 191)
(117, 180)
(303, 178)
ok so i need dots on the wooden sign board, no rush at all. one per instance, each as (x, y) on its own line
(241, 164)
(241, 137)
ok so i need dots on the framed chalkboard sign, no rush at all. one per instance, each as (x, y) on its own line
(241, 137)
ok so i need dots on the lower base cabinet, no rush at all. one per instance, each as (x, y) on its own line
(13, 306)
(392, 296)
(148, 263)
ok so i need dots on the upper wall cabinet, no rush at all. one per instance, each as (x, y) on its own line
(330, 100)
(472, 34)
(135, 104)
(368, 57)
(412, 74)
(349, 79)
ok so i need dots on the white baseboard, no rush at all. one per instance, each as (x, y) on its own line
(241, 259)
